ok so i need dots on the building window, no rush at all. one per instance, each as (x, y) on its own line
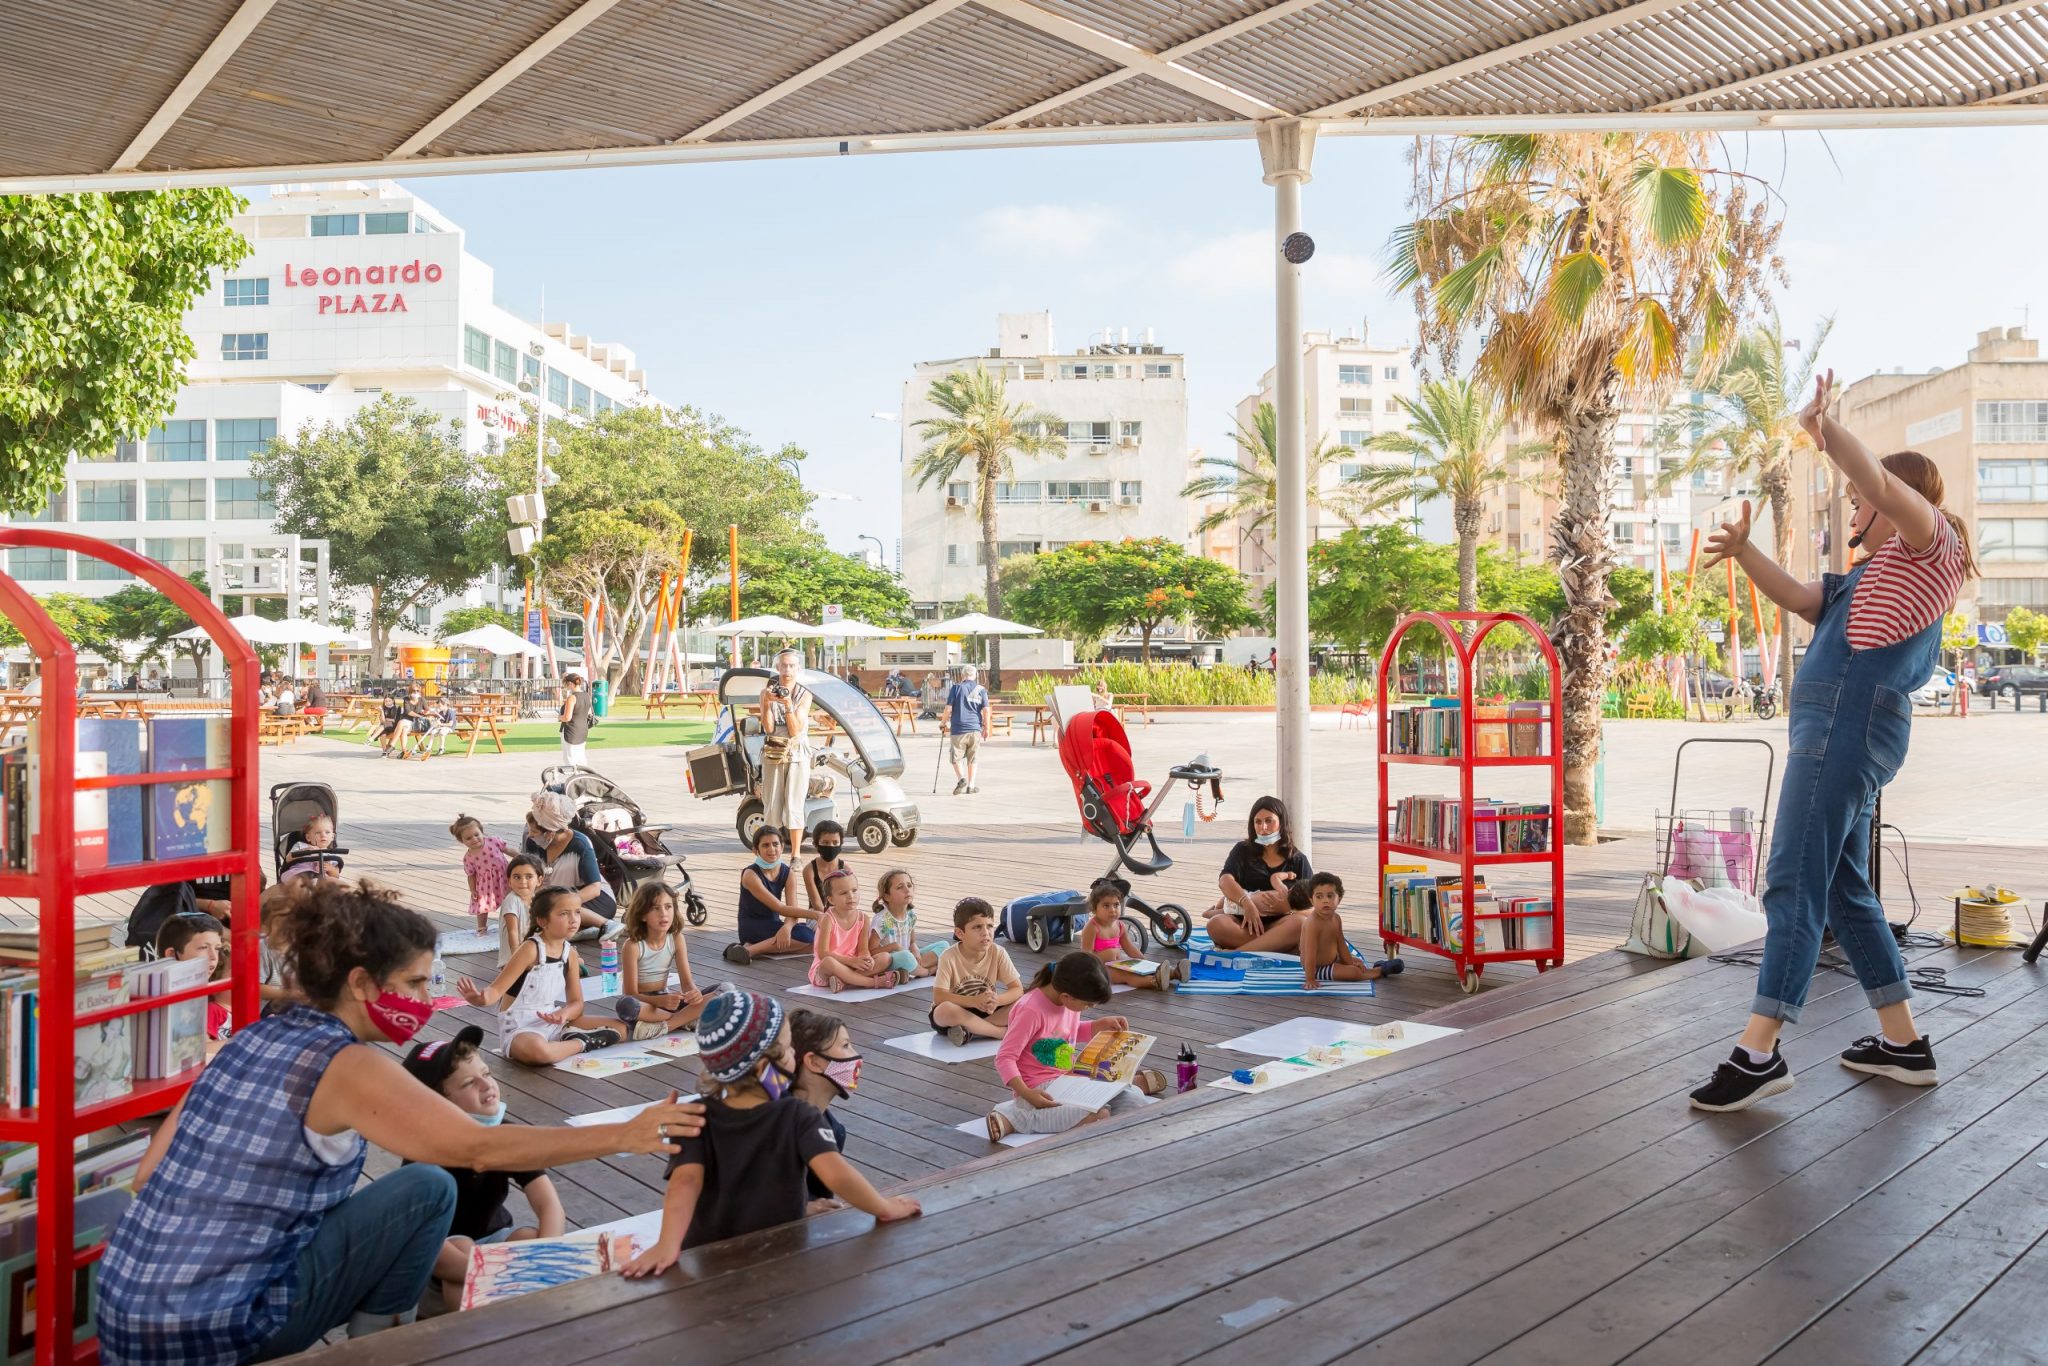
(1073, 370)
(958, 492)
(245, 346)
(579, 396)
(1392, 405)
(504, 362)
(959, 554)
(558, 388)
(1155, 369)
(1131, 491)
(529, 369)
(1391, 372)
(1354, 406)
(1354, 438)
(37, 563)
(242, 500)
(106, 500)
(91, 567)
(386, 223)
(476, 350)
(1354, 374)
(1089, 433)
(1350, 470)
(179, 554)
(1005, 549)
(1077, 491)
(179, 439)
(50, 511)
(336, 224)
(2011, 422)
(242, 438)
(602, 403)
(2006, 540)
(177, 500)
(2012, 481)
(123, 453)
(245, 293)
(420, 224)
(1130, 431)
(1027, 491)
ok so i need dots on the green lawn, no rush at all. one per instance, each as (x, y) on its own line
(613, 733)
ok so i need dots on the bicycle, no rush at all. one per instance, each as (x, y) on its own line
(1755, 698)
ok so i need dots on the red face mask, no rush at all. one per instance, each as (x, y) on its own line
(398, 1017)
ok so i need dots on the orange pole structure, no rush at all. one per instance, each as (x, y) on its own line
(678, 649)
(650, 677)
(1664, 572)
(1692, 564)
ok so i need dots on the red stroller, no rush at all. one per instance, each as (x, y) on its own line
(1117, 806)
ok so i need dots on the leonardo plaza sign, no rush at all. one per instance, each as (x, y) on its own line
(356, 289)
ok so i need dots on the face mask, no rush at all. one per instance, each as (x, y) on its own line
(828, 852)
(844, 1073)
(764, 864)
(775, 1082)
(493, 1119)
(1271, 839)
(398, 1017)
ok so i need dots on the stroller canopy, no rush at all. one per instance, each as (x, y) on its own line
(1094, 747)
(873, 738)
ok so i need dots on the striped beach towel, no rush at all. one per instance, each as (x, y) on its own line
(1227, 972)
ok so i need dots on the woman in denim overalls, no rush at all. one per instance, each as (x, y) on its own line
(1850, 720)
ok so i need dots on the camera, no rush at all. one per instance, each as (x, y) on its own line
(778, 689)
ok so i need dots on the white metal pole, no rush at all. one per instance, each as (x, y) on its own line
(1285, 149)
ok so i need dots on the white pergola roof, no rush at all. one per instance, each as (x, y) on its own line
(147, 93)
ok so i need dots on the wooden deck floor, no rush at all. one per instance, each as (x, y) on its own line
(1531, 1190)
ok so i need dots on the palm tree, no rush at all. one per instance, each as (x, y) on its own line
(984, 430)
(1582, 263)
(1452, 428)
(1247, 485)
(1747, 423)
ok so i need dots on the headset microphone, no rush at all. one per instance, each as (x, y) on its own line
(1857, 539)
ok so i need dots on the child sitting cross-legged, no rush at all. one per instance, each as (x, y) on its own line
(1107, 937)
(1325, 957)
(1051, 1009)
(456, 1068)
(976, 983)
(895, 926)
(654, 948)
(746, 1170)
(844, 953)
(540, 992)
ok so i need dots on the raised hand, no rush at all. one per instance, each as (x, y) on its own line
(1730, 541)
(1815, 412)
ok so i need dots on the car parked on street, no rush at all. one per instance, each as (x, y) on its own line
(1936, 691)
(2012, 681)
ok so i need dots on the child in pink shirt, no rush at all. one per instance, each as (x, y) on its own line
(484, 863)
(1050, 1009)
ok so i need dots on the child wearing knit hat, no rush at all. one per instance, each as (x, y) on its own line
(746, 1170)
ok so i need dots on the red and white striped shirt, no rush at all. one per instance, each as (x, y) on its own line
(1903, 591)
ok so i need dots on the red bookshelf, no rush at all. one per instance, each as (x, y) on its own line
(55, 884)
(1463, 635)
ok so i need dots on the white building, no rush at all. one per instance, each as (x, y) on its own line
(1353, 390)
(1125, 407)
(352, 290)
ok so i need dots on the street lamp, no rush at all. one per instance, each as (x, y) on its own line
(881, 551)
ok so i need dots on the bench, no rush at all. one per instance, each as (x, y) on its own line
(658, 703)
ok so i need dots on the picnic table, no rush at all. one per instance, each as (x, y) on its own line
(658, 703)
(480, 720)
(19, 711)
(1041, 718)
(1124, 703)
(901, 711)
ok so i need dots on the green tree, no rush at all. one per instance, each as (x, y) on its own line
(1454, 430)
(628, 483)
(137, 612)
(1246, 485)
(391, 490)
(93, 293)
(2025, 631)
(1583, 263)
(470, 618)
(1747, 424)
(84, 621)
(1364, 581)
(798, 580)
(1095, 588)
(984, 432)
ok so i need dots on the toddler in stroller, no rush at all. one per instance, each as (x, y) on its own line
(305, 821)
(629, 850)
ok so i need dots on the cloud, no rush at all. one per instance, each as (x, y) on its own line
(1241, 263)
(1046, 229)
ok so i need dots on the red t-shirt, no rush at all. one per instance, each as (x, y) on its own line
(1903, 591)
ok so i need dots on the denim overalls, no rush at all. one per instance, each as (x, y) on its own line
(1851, 718)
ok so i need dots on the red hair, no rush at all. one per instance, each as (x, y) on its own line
(1923, 476)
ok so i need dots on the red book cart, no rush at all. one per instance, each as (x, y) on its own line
(55, 884)
(1463, 634)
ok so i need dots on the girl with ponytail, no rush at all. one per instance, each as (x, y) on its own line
(1051, 1010)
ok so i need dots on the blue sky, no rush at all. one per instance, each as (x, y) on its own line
(793, 297)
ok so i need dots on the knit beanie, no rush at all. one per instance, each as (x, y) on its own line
(736, 1028)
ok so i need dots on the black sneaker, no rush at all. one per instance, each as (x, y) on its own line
(592, 1039)
(1913, 1064)
(1739, 1083)
(737, 953)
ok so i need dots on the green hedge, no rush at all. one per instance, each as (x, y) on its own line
(1179, 685)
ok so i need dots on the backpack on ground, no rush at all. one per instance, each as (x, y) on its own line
(1059, 929)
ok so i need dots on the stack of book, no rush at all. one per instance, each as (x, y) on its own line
(1426, 906)
(1525, 922)
(1430, 729)
(118, 826)
(1497, 827)
(102, 1177)
(107, 1053)
(1509, 730)
(171, 1039)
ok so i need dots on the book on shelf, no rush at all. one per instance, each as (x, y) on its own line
(1430, 728)
(1433, 822)
(172, 1039)
(1490, 731)
(188, 820)
(109, 824)
(1525, 922)
(1526, 739)
(103, 1064)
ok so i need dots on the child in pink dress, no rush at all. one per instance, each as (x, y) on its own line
(845, 952)
(484, 864)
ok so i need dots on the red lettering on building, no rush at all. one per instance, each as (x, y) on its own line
(375, 303)
(375, 275)
(398, 304)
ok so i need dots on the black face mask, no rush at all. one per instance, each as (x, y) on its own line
(828, 852)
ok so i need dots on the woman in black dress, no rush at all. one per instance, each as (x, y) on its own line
(1253, 913)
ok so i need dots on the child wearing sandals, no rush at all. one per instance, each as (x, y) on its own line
(483, 863)
(1325, 957)
(654, 948)
(540, 992)
(746, 1170)
(1051, 1009)
(895, 926)
(976, 983)
(1108, 938)
(844, 954)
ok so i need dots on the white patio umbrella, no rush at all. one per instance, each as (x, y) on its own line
(977, 624)
(767, 624)
(494, 639)
(305, 631)
(254, 629)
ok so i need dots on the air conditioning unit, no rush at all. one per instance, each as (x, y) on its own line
(952, 502)
(1098, 507)
(1128, 500)
(1101, 449)
(1129, 443)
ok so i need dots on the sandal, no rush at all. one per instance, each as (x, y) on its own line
(1390, 967)
(999, 1128)
(1149, 1080)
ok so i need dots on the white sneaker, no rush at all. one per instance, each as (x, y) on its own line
(613, 929)
(649, 1029)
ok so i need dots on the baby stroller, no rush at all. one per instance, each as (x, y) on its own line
(291, 806)
(629, 850)
(1096, 752)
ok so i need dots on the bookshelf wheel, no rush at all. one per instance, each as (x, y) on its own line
(1468, 980)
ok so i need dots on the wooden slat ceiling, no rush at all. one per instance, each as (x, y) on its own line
(100, 96)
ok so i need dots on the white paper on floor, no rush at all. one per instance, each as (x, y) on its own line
(644, 1228)
(939, 1048)
(978, 1128)
(1290, 1037)
(465, 941)
(861, 993)
(615, 1061)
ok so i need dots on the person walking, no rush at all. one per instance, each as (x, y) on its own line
(785, 712)
(574, 718)
(966, 727)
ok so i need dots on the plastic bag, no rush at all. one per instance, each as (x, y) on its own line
(1718, 917)
(1719, 858)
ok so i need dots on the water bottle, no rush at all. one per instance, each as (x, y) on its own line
(1186, 1073)
(608, 966)
(440, 974)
